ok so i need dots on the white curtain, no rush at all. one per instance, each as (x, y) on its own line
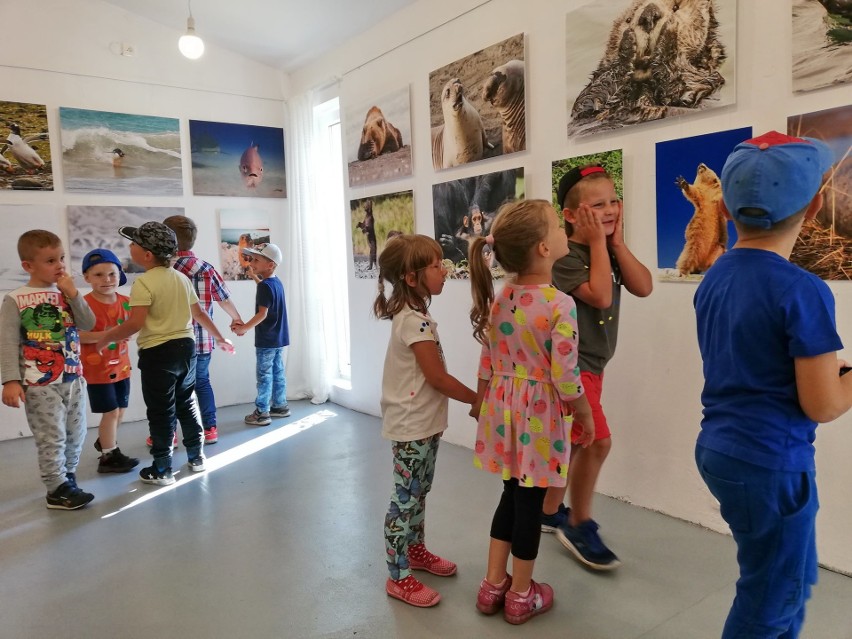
(306, 275)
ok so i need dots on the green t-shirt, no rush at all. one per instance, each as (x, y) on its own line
(598, 327)
(168, 296)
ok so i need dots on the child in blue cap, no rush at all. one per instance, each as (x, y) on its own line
(769, 343)
(107, 374)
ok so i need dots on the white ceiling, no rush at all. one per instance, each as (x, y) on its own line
(285, 34)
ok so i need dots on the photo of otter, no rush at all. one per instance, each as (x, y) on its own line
(25, 162)
(91, 227)
(477, 105)
(822, 43)
(378, 138)
(18, 218)
(692, 230)
(466, 208)
(237, 160)
(632, 61)
(240, 229)
(375, 220)
(824, 246)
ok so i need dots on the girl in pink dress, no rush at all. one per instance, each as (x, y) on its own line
(529, 389)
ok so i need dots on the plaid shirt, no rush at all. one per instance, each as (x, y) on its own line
(209, 286)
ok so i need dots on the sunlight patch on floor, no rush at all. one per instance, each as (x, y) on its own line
(234, 455)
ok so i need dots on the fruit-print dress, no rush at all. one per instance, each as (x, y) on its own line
(530, 362)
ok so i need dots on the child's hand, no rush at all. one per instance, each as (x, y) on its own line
(65, 283)
(240, 329)
(588, 224)
(13, 394)
(617, 237)
(475, 408)
(226, 345)
(235, 324)
(587, 437)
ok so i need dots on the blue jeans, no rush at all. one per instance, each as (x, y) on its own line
(204, 391)
(271, 383)
(168, 380)
(772, 515)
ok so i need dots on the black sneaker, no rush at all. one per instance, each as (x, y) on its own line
(116, 462)
(151, 475)
(98, 446)
(258, 419)
(196, 464)
(68, 497)
(280, 411)
(71, 478)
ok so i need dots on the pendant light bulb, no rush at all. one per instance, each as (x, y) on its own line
(190, 44)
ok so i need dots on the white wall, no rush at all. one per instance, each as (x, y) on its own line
(654, 382)
(64, 59)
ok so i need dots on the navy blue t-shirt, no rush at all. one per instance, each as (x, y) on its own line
(756, 312)
(272, 332)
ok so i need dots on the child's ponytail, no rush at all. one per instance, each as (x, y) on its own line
(481, 288)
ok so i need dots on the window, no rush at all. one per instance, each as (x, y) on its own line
(332, 209)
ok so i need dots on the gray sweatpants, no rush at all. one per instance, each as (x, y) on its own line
(56, 414)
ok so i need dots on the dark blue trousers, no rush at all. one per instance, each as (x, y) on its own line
(772, 516)
(168, 381)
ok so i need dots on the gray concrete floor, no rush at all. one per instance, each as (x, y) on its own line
(281, 537)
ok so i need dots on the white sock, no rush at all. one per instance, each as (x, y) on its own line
(107, 451)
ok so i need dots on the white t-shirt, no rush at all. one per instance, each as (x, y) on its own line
(411, 408)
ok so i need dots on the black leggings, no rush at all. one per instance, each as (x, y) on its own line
(518, 519)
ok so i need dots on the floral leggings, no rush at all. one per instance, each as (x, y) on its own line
(413, 471)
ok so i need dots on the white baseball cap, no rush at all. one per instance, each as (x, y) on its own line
(269, 251)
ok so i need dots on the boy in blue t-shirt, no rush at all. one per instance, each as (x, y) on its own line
(270, 337)
(769, 343)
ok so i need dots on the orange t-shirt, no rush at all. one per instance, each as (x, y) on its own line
(113, 364)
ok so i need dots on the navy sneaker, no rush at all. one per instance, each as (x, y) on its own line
(68, 497)
(151, 475)
(549, 523)
(586, 545)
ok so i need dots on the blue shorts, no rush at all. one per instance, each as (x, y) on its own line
(105, 398)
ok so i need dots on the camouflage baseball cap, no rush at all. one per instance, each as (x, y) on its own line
(152, 236)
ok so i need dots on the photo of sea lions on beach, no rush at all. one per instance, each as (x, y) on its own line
(120, 153)
(25, 161)
(822, 43)
(240, 229)
(477, 105)
(824, 245)
(632, 61)
(16, 219)
(373, 222)
(692, 230)
(91, 227)
(237, 160)
(465, 209)
(378, 138)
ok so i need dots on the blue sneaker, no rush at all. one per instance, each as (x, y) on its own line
(549, 523)
(586, 545)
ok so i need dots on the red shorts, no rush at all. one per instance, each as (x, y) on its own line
(593, 386)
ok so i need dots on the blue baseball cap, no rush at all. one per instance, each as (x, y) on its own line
(99, 256)
(776, 173)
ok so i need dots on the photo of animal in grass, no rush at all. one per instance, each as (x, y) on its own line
(632, 61)
(477, 105)
(824, 246)
(822, 43)
(692, 230)
(373, 222)
(378, 138)
(466, 208)
(25, 161)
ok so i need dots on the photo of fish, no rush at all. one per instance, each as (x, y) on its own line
(120, 153)
(237, 160)
(822, 43)
(16, 219)
(25, 161)
(91, 227)
(240, 229)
